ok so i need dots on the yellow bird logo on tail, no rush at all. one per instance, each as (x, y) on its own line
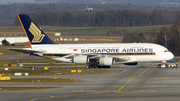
(38, 37)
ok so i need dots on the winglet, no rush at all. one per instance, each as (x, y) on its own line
(32, 31)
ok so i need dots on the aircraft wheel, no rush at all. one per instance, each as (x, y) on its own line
(94, 66)
(159, 66)
(106, 66)
(100, 66)
(87, 66)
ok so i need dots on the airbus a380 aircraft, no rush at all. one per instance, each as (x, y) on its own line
(94, 55)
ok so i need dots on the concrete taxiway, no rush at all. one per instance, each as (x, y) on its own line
(124, 83)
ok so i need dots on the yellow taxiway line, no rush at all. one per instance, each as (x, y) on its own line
(106, 91)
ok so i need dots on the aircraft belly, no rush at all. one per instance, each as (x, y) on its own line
(144, 58)
(62, 59)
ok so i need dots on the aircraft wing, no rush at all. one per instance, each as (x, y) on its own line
(25, 50)
(122, 59)
(118, 59)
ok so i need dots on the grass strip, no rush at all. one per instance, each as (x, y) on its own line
(39, 80)
(23, 88)
(56, 71)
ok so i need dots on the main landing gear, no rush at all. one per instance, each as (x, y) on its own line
(96, 66)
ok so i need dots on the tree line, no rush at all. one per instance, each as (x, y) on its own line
(168, 36)
(109, 18)
(8, 12)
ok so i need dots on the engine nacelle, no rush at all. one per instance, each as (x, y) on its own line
(107, 61)
(133, 63)
(81, 59)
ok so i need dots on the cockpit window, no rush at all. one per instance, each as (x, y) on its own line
(166, 51)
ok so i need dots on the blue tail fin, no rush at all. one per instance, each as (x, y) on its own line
(32, 31)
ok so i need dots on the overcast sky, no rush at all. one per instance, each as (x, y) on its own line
(15, 1)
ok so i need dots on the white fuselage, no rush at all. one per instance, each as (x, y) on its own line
(13, 40)
(132, 52)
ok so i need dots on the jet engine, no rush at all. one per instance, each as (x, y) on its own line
(133, 63)
(81, 59)
(106, 61)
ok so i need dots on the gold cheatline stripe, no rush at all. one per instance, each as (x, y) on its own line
(23, 28)
(129, 54)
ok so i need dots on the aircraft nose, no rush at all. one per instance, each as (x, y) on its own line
(171, 55)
